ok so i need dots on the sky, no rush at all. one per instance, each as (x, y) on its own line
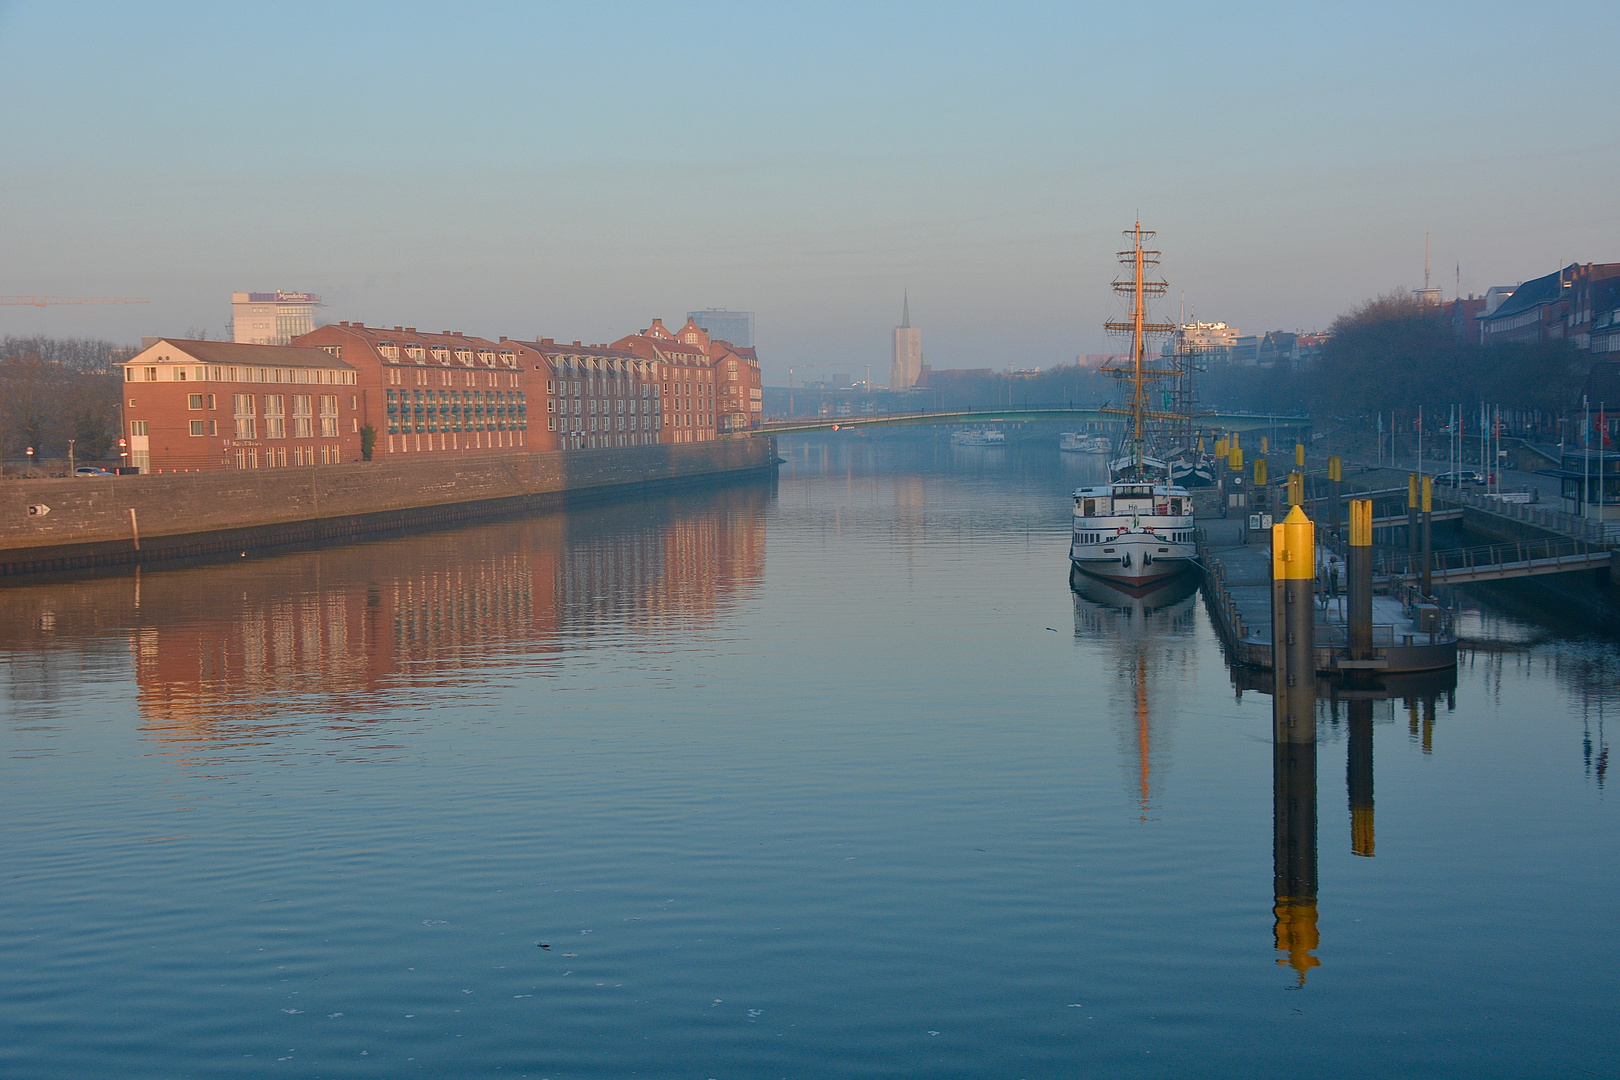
(574, 171)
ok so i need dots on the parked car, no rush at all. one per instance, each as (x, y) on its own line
(1457, 479)
(90, 470)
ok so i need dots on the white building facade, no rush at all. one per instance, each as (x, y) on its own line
(272, 318)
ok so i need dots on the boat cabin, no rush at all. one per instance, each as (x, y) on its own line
(1141, 499)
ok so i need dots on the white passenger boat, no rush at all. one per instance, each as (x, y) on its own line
(1133, 531)
(983, 437)
(1138, 529)
(1071, 442)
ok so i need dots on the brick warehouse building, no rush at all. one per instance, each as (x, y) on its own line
(191, 405)
(443, 393)
(596, 396)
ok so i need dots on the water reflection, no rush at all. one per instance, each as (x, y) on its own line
(1150, 631)
(233, 656)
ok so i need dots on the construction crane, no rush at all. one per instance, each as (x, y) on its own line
(41, 301)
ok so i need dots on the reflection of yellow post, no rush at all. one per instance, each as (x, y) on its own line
(1293, 719)
(1200, 446)
(1265, 445)
(1359, 778)
(1259, 472)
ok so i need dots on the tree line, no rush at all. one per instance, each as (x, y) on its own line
(1394, 354)
(56, 389)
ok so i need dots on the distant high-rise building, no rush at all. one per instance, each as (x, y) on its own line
(272, 318)
(906, 365)
(736, 327)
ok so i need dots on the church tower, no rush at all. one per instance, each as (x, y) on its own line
(906, 364)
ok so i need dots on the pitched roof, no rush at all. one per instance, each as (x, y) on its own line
(1533, 293)
(229, 352)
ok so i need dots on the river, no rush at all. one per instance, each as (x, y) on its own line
(832, 775)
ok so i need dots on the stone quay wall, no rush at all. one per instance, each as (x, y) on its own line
(89, 521)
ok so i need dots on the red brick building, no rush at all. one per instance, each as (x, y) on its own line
(742, 392)
(423, 393)
(191, 405)
(596, 396)
(1562, 305)
(685, 375)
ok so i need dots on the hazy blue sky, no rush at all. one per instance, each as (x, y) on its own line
(576, 170)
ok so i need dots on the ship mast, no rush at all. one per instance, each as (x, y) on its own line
(1138, 287)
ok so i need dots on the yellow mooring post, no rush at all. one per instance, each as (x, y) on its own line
(1359, 569)
(1265, 447)
(1293, 762)
(1335, 474)
(1299, 455)
(1220, 447)
(1296, 489)
(1235, 458)
(1413, 498)
(1428, 547)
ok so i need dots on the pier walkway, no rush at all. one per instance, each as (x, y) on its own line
(1408, 634)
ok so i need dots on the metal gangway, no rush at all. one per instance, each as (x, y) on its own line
(1493, 562)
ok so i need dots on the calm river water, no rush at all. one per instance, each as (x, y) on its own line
(834, 776)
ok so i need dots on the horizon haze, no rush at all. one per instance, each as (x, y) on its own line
(575, 173)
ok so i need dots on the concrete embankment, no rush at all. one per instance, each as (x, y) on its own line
(141, 519)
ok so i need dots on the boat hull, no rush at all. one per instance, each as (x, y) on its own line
(1133, 559)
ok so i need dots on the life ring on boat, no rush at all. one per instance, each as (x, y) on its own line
(1121, 531)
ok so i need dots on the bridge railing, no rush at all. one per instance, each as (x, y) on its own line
(1596, 532)
(1403, 564)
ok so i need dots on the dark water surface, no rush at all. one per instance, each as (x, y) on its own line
(835, 777)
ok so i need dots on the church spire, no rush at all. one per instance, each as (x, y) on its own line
(905, 311)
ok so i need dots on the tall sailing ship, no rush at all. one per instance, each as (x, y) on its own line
(1138, 528)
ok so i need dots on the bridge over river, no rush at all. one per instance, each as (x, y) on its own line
(1065, 414)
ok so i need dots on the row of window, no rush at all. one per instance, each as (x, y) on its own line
(648, 423)
(200, 373)
(396, 377)
(1177, 537)
(614, 387)
(391, 350)
(422, 411)
(248, 458)
(579, 406)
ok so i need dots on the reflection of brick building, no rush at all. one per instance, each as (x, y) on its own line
(191, 405)
(223, 654)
